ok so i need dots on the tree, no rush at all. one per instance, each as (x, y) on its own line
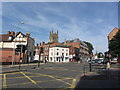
(100, 55)
(90, 47)
(114, 45)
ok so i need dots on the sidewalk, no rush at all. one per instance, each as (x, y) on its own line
(103, 79)
(3, 66)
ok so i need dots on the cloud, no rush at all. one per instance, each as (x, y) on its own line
(99, 20)
(41, 23)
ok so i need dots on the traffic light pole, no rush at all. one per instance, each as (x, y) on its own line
(20, 61)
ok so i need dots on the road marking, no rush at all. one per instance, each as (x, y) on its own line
(30, 82)
(24, 77)
(10, 73)
(53, 78)
(4, 81)
(47, 75)
(73, 83)
(30, 79)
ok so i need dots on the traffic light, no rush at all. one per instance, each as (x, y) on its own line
(20, 48)
(17, 50)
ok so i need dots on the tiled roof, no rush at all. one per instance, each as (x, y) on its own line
(5, 37)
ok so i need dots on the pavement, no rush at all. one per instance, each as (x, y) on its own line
(108, 78)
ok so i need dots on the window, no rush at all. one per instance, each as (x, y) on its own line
(51, 53)
(10, 38)
(57, 53)
(62, 49)
(57, 49)
(51, 58)
(66, 54)
(57, 58)
(62, 54)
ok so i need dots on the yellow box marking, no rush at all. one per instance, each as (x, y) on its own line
(24, 77)
(4, 81)
(73, 83)
(30, 79)
(54, 78)
(30, 82)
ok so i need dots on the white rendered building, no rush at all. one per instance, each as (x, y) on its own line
(59, 54)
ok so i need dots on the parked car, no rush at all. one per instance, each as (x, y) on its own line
(97, 61)
(114, 61)
(34, 61)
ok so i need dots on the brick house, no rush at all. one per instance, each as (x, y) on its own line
(110, 36)
(112, 33)
(8, 44)
(80, 49)
(45, 54)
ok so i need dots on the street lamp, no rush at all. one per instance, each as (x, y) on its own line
(15, 43)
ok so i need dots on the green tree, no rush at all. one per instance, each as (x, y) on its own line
(100, 55)
(90, 47)
(114, 45)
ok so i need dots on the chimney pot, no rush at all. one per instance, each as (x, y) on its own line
(28, 34)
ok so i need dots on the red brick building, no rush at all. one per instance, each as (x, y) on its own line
(45, 46)
(112, 33)
(8, 44)
(110, 36)
(80, 49)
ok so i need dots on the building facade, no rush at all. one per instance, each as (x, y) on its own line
(45, 55)
(8, 44)
(112, 33)
(81, 51)
(110, 37)
(59, 54)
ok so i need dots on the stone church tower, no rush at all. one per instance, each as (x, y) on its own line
(53, 36)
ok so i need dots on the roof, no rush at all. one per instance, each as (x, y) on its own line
(115, 29)
(5, 37)
(61, 46)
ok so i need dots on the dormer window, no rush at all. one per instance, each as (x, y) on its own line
(10, 38)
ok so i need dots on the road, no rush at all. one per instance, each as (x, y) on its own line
(50, 75)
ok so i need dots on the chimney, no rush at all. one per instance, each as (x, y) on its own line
(12, 33)
(28, 34)
(37, 44)
(43, 43)
(9, 32)
(40, 44)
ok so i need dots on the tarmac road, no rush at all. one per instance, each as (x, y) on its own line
(50, 75)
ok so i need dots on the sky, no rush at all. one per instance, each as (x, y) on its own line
(88, 21)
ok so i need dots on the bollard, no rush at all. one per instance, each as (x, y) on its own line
(108, 65)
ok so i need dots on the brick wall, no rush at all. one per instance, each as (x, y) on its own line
(7, 55)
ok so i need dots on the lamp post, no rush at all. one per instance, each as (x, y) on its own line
(15, 43)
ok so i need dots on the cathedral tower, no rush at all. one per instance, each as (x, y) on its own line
(53, 36)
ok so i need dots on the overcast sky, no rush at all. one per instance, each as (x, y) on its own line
(88, 21)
